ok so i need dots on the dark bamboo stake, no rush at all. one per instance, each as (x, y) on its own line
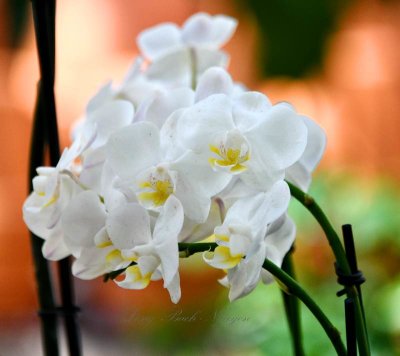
(44, 21)
(351, 340)
(42, 272)
(358, 279)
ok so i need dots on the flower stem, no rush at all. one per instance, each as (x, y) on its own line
(292, 286)
(193, 64)
(334, 241)
(296, 290)
(188, 249)
(292, 308)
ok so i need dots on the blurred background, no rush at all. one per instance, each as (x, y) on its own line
(337, 61)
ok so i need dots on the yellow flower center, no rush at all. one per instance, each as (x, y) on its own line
(134, 275)
(231, 157)
(224, 258)
(159, 191)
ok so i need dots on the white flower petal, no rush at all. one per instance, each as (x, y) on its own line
(170, 144)
(300, 172)
(54, 248)
(261, 209)
(195, 205)
(299, 176)
(239, 242)
(36, 217)
(214, 81)
(211, 31)
(316, 144)
(174, 289)
(128, 226)
(222, 258)
(250, 108)
(139, 276)
(261, 175)
(196, 171)
(83, 217)
(133, 149)
(110, 117)
(92, 169)
(148, 264)
(206, 59)
(165, 104)
(280, 137)
(224, 281)
(132, 74)
(159, 40)
(281, 239)
(193, 231)
(200, 124)
(173, 69)
(245, 277)
(91, 263)
(104, 94)
(165, 237)
(236, 189)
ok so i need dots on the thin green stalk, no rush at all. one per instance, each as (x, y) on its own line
(295, 289)
(292, 308)
(334, 241)
(193, 62)
(188, 249)
(308, 202)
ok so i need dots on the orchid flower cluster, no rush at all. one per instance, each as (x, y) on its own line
(176, 153)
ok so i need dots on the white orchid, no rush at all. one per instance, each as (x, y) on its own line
(176, 153)
(243, 237)
(94, 132)
(135, 88)
(154, 179)
(245, 136)
(84, 224)
(179, 55)
(155, 253)
(53, 188)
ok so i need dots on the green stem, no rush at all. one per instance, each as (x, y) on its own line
(292, 308)
(295, 289)
(188, 249)
(193, 62)
(340, 255)
(308, 202)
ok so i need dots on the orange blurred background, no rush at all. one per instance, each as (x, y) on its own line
(355, 97)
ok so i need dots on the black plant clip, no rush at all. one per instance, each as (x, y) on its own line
(355, 278)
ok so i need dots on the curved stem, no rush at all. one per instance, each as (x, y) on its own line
(308, 202)
(334, 241)
(188, 249)
(295, 289)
